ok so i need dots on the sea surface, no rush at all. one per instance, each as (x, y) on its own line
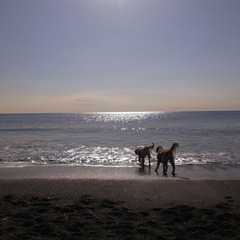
(109, 139)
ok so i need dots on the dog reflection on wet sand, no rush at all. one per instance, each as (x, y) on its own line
(165, 155)
(143, 152)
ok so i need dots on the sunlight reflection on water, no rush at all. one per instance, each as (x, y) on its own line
(121, 116)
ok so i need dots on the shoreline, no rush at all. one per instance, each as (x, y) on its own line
(202, 171)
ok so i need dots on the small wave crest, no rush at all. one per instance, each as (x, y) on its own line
(206, 158)
(106, 156)
(99, 156)
(92, 156)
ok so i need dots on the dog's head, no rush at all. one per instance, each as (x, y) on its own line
(139, 150)
(159, 148)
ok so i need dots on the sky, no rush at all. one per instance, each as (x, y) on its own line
(119, 55)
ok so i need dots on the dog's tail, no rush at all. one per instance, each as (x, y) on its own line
(174, 147)
(152, 146)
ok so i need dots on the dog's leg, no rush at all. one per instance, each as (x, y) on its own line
(149, 157)
(164, 169)
(164, 172)
(165, 166)
(164, 161)
(143, 160)
(158, 163)
(173, 165)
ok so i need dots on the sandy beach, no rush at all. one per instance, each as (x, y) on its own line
(118, 206)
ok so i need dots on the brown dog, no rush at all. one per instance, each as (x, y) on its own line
(165, 155)
(143, 152)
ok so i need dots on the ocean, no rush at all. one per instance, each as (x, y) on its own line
(109, 139)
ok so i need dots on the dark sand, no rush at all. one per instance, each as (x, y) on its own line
(148, 207)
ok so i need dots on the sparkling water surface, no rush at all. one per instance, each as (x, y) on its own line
(109, 139)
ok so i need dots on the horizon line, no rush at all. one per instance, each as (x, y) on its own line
(117, 112)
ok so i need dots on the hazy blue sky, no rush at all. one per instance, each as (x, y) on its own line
(119, 55)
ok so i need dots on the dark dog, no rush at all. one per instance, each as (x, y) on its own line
(143, 152)
(165, 155)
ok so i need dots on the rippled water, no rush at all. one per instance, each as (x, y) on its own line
(109, 139)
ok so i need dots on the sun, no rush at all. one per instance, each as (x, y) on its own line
(120, 3)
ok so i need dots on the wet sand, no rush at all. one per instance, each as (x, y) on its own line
(147, 207)
(204, 171)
